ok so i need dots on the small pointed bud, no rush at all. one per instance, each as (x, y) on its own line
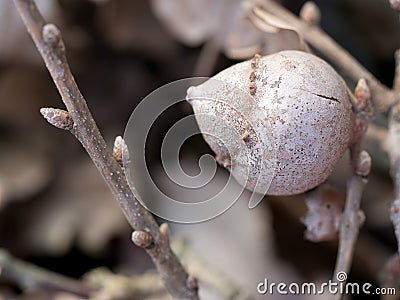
(254, 61)
(164, 230)
(363, 167)
(142, 239)
(310, 13)
(52, 36)
(362, 96)
(119, 146)
(57, 117)
(227, 164)
(223, 161)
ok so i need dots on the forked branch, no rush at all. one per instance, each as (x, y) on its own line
(48, 41)
(387, 101)
(393, 142)
(360, 162)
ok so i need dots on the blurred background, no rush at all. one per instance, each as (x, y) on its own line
(56, 211)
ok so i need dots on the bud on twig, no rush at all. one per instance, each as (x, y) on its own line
(310, 13)
(362, 96)
(52, 37)
(142, 239)
(118, 149)
(363, 164)
(57, 117)
(325, 207)
(164, 230)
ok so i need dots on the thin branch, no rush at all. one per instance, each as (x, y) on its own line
(207, 59)
(396, 80)
(28, 276)
(384, 97)
(393, 142)
(360, 160)
(386, 101)
(48, 40)
(350, 224)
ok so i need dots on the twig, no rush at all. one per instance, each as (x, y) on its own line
(352, 217)
(207, 59)
(48, 40)
(396, 81)
(387, 102)
(29, 276)
(384, 97)
(393, 142)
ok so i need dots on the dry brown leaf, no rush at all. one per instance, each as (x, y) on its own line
(325, 207)
(227, 23)
(79, 208)
(191, 21)
(242, 40)
(23, 173)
